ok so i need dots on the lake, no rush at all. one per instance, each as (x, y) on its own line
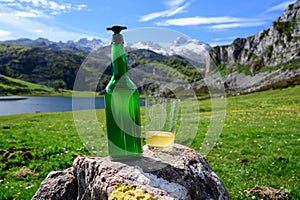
(21, 105)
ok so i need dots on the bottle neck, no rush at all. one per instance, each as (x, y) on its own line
(118, 56)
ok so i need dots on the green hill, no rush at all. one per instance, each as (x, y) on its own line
(58, 68)
(44, 66)
(11, 86)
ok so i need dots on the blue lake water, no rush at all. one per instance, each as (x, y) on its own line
(50, 104)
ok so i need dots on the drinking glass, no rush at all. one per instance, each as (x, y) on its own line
(161, 121)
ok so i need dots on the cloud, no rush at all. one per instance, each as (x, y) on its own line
(226, 38)
(236, 25)
(174, 9)
(218, 23)
(53, 7)
(4, 33)
(30, 27)
(30, 14)
(199, 20)
(29, 24)
(174, 3)
(80, 7)
(279, 7)
(38, 31)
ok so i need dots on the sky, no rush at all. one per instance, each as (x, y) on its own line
(216, 22)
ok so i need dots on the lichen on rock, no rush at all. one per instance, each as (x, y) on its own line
(125, 192)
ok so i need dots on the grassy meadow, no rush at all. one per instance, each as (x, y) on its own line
(259, 145)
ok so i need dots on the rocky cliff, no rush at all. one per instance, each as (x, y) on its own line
(266, 58)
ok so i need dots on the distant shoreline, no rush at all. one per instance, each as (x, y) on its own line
(12, 98)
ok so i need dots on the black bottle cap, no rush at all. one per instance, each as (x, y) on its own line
(116, 29)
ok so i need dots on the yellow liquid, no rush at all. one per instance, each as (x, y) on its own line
(160, 138)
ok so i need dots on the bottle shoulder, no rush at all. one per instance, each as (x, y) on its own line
(124, 83)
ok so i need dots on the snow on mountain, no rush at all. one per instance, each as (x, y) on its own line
(194, 51)
(181, 46)
(150, 46)
(91, 43)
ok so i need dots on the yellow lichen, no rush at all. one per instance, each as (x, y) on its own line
(124, 192)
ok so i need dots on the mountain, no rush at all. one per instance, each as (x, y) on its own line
(188, 47)
(269, 59)
(83, 45)
(182, 46)
(58, 68)
(89, 43)
(149, 45)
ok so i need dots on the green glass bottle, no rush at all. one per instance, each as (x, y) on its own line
(122, 105)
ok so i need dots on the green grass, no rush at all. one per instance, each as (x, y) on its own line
(38, 144)
(259, 145)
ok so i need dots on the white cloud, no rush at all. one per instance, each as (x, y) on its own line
(4, 33)
(279, 7)
(215, 23)
(30, 27)
(29, 13)
(80, 7)
(226, 38)
(24, 14)
(174, 3)
(235, 25)
(199, 20)
(53, 7)
(27, 24)
(175, 9)
(38, 31)
(218, 23)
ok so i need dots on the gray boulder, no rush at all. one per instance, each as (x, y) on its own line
(180, 174)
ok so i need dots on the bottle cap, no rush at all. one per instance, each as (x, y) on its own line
(117, 37)
(116, 29)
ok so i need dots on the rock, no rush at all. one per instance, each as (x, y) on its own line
(58, 185)
(179, 174)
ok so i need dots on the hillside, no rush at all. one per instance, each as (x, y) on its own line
(58, 68)
(11, 86)
(43, 66)
(269, 59)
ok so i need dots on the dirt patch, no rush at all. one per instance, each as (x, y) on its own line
(15, 157)
(24, 172)
(268, 192)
